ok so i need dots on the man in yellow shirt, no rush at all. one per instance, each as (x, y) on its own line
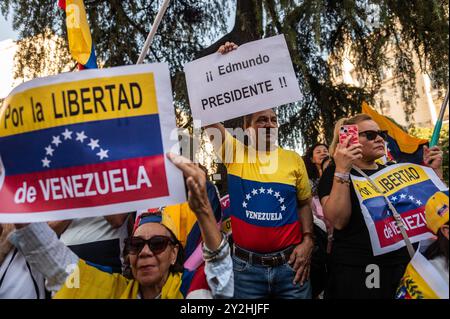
(271, 217)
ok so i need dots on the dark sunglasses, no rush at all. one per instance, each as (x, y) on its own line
(157, 244)
(371, 135)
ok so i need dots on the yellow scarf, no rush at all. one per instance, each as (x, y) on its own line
(171, 289)
(88, 282)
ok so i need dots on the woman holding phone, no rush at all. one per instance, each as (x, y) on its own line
(352, 260)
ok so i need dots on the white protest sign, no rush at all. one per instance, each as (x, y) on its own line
(255, 77)
(89, 143)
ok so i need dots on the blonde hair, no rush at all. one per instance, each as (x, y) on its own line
(358, 118)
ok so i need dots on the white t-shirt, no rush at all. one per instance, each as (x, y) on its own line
(92, 229)
(18, 281)
(86, 233)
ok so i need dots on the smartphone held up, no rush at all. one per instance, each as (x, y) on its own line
(347, 130)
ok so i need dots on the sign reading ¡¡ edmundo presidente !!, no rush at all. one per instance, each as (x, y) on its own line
(89, 143)
(257, 76)
(408, 187)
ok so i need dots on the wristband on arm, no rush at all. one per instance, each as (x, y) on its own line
(342, 178)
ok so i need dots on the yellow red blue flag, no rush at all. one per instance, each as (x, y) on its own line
(86, 144)
(408, 187)
(401, 146)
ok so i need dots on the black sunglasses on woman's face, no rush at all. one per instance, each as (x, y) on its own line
(372, 135)
(157, 244)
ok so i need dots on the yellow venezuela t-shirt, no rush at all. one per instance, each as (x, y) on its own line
(264, 188)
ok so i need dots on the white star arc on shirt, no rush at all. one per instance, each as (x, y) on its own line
(263, 190)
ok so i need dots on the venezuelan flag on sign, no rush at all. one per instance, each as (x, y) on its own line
(401, 147)
(82, 155)
(78, 33)
(408, 187)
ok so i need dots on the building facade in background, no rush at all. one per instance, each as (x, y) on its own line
(389, 102)
(51, 58)
(7, 51)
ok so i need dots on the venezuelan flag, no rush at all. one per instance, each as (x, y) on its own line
(78, 33)
(422, 281)
(87, 153)
(401, 146)
(109, 149)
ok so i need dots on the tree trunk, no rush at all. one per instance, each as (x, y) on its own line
(248, 26)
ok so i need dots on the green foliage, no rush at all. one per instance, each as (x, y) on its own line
(443, 144)
(119, 28)
(321, 31)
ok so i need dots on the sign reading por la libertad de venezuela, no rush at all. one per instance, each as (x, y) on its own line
(90, 143)
(408, 187)
(257, 76)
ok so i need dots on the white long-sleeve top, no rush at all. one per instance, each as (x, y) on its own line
(46, 253)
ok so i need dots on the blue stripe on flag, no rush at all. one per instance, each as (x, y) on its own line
(407, 199)
(251, 202)
(122, 138)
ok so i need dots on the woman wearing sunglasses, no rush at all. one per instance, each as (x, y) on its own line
(351, 252)
(154, 252)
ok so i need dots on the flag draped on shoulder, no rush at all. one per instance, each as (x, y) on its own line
(401, 147)
(78, 33)
(422, 281)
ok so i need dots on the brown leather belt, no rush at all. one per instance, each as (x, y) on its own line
(269, 260)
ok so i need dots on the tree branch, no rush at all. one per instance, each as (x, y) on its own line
(247, 26)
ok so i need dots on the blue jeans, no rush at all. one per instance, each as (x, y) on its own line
(257, 281)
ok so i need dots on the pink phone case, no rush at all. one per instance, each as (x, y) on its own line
(347, 130)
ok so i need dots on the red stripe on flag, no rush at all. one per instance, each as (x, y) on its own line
(389, 234)
(265, 239)
(85, 186)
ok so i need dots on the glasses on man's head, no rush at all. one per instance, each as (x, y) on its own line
(372, 135)
(157, 244)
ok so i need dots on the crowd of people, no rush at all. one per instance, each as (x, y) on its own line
(297, 230)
